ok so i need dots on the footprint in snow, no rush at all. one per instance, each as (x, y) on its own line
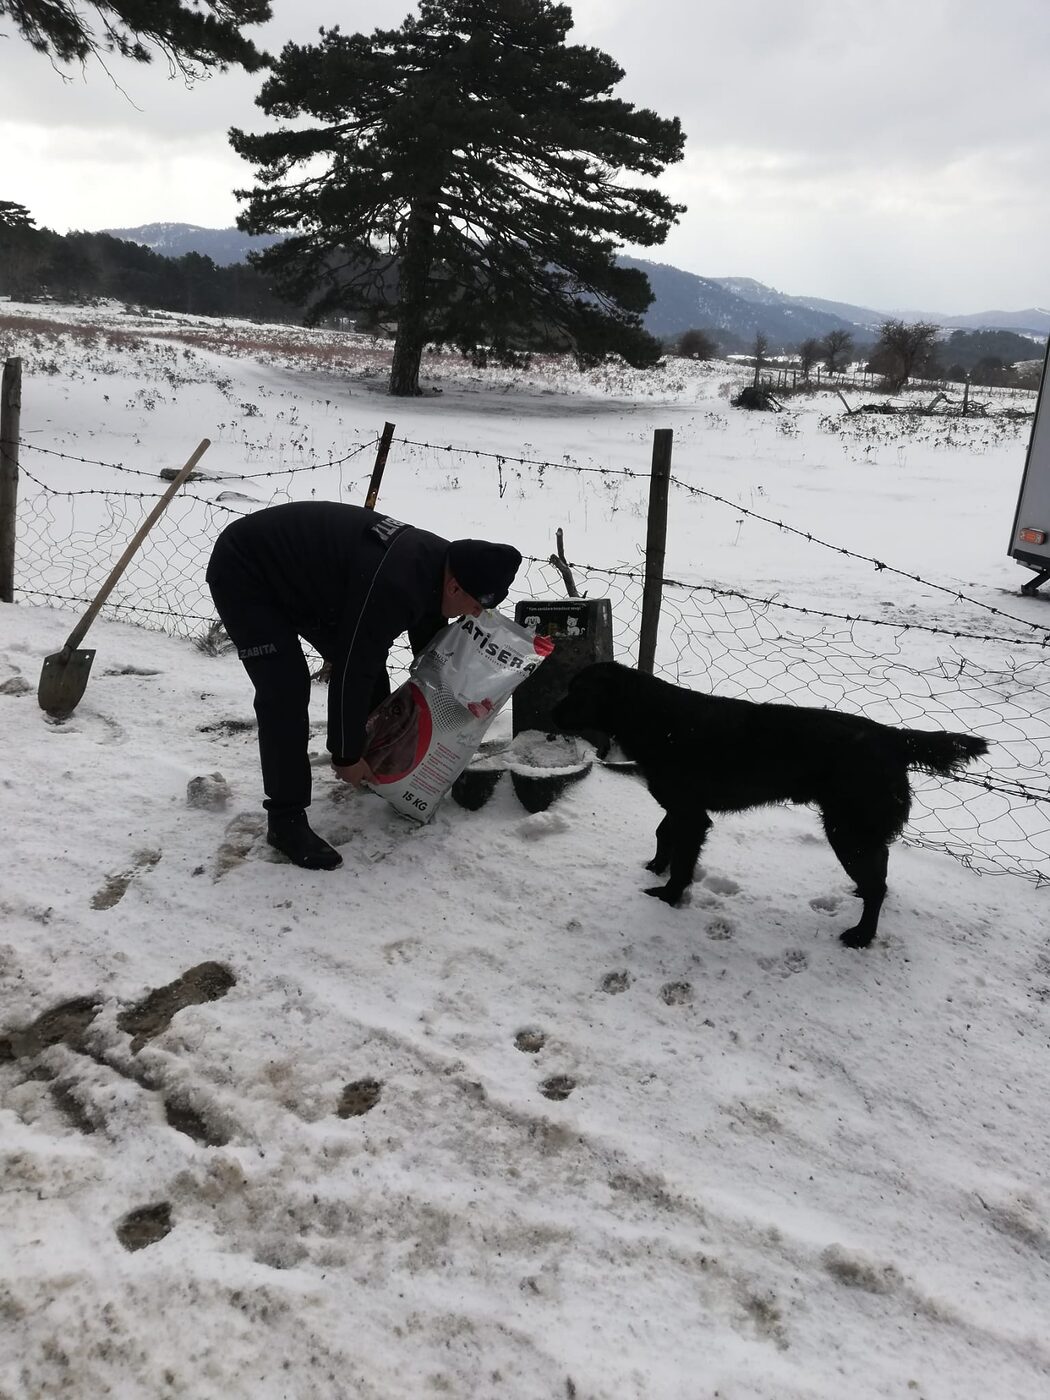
(64, 1024)
(721, 885)
(557, 1087)
(826, 903)
(359, 1098)
(242, 833)
(227, 727)
(616, 982)
(676, 993)
(791, 961)
(185, 1118)
(116, 885)
(90, 723)
(207, 981)
(402, 950)
(144, 1226)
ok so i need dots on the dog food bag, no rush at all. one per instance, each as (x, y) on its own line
(421, 737)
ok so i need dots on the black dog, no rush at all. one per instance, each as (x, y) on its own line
(702, 753)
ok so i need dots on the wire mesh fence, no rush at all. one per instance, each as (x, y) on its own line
(994, 682)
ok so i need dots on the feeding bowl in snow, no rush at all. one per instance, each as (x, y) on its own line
(479, 780)
(542, 766)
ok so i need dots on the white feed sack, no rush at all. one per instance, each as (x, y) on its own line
(421, 738)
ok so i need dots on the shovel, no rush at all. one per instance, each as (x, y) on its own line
(64, 677)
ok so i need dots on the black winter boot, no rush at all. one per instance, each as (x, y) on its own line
(290, 833)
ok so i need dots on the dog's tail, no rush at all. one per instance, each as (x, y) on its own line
(941, 753)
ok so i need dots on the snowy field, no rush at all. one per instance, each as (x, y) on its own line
(471, 1116)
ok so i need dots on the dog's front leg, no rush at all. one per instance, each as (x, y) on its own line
(684, 835)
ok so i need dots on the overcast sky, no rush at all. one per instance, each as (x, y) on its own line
(891, 153)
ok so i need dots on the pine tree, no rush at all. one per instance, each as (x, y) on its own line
(470, 183)
(14, 215)
(23, 249)
(194, 36)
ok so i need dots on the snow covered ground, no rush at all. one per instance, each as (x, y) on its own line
(471, 1116)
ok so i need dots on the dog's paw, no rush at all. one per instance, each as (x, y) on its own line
(657, 866)
(665, 893)
(856, 937)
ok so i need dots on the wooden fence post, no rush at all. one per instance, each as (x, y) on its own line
(655, 545)
(324, 671)
(377, 471)
(10, 414)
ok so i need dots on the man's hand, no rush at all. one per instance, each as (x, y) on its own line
(354, 773)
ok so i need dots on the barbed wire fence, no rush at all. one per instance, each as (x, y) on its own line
(993, 681)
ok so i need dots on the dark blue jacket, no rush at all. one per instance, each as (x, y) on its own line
(351, 581)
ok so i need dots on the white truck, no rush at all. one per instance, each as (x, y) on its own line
(1030, 540)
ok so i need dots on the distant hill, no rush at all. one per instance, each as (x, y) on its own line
(224, 246)
(750, 290)
(736, 308)
(1034, 321)
(684, 300)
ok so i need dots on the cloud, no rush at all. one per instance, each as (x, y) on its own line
(188, 180)
(834, 147)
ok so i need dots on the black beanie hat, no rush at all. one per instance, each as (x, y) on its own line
(485, 571)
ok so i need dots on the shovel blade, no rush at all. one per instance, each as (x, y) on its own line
(63, 680)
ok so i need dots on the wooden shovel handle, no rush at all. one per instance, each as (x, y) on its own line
(78, 632)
